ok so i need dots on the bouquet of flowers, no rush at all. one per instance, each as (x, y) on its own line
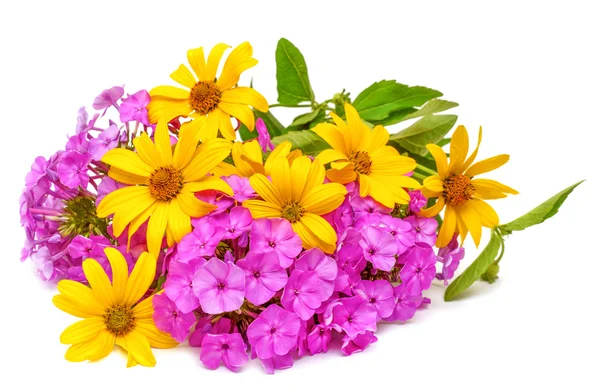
(192, 214)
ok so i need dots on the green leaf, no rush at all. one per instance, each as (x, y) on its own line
(377, 101)
(397, 116)
(305, 118)
(429, 129)
(431, 107)
(546, 210)
(309, 142)
(274, 127)
(476, 269)
(293, 85)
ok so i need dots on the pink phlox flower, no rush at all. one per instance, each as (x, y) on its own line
(168, 318)
(417, 201)
(450, 257)
(264, 276)
(402, 231)
(204, 326)
(353, 315)
(325, 268)
(419, 268)
(202, 241)
(358, 343)
(264, 139)
(73, 170)
(319, 338)
(106, 186)
(223, 203)
(179, 286)
(342, 217)
(425, 229)
(242, 190)
(235, 223)
(406, 304)
(78, 143)
(367, 210)
(219, 286)
(274, 332)
(83, 125)
(379, 293)
(275, 235)
(106, 140)
(108, 98)
(302, 294)
(379, 247)
(277, 362)
(228, 348)
(133, 108)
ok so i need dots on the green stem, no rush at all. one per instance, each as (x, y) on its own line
(418, 176)
(281, 105)
(426, 170)
(501, 244)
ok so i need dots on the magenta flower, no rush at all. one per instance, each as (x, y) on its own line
(318, 339)
(268, 235)
(179, 286)
(219, 286)
(367, 210)
(108, 98)
(37, 173)
(277, 362)
(379, 293)
(450, 257)
(215, 198)
(78, 143)
(417, 201)
(234, 223)
(406, 304)
(241, 188)
(202, 241)
(402, 231)
(353, 315)
(228, 348)
(264, 276)
(379, 248)
(274, 332)
(133, 108)
(419, 268)
(357, 344)
(107, 140)
(264, 139)
(425, 229)
(204, 327)
(168, 318)
(301, 294)
(314, 260)
(72, 169)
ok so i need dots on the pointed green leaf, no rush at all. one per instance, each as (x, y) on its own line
(431, 107)
(429, 129)
(305, 118)
(546, 210)
(309, 142)
(476, 269)
(293, 85)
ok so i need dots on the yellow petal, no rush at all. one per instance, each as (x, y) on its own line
(473, 155)
(138, 221)
(471, 219)
(378, 191)
(144, 309)
(70, 307)
(448, 228)
(120, 272)
(245, 96)
(193, 207)
(147, 151)
(315, 231)
(316, 174)
(83, 330)
(330, 155)
(115, 200)
(262, 209)
(208, 183)
(210, 128)
(81, 297)
(487, 165)
(98, 280)
(241, 112)
(139, 347)
(183, 76)
(163, 143)
(481, 184)
(386, 161)
(486, 213)
(282, 180)
(281, 150)
(225, 125)
(441, 162)
(379, 138)
(239, 60)
(214, 58)
(97, 348)
(130, 210)
(187, 144)
(163, 109)
(126, 178)
(197, 62)
(127, 161)
(209, 155)
(225, 169)
(354, 128)
(157, 225)
(434, 184)
(343, 174)
(179, 223)
(299, 172)
(434, 209)
(324, 198)
(141, 277)
(170, 92)
(459, 148)
(332, 136)
(265, 189)
(155, 337)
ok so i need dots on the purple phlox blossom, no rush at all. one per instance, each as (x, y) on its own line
(179, 286)
(202, 241)
(219, 286)
(325, 268)
(425, 229)
(73, 170)
(379, 247)
(274, 332)
(367, 210)
(358, 343)
(106, 186)
(406, 304)
(419, 268)
(402, 231)
(83, 126)
(301, 344)
(235, 223)
(78, 143)
(168, 318)
(223, 202)
(133, 108)
(83, 247)
(450, 256)
(301, 294)
(37, 173)
(106, 140)
(349, 256)
(353, 315)
(264, 276)
(241, 188)
(342, 217)
(276, 362)
(264, 139)
(44, 262)
(379, 293)
(319, 338)
(228, 348)
(204, 326)
(268, 235)
(108, 98)
(417, 201)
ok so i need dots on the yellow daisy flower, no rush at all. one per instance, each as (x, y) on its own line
(248, 157)
(359, 152)
(111, 312)
(296, 192)
(463, 196)
(163, 184)
(208, 100)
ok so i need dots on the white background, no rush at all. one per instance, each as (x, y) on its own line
(528, 72)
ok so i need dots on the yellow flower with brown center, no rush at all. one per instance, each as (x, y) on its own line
(463, 196)
(112, 312)
(163, 183)
(296, 192)
(208, 100)
(360, 153)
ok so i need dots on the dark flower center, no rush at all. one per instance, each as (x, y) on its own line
(165, 183)
(362, 162)
(205, 96)
(119, 320)
(292, 212)
(457, 189)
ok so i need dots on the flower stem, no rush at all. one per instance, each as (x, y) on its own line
(426, 170)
